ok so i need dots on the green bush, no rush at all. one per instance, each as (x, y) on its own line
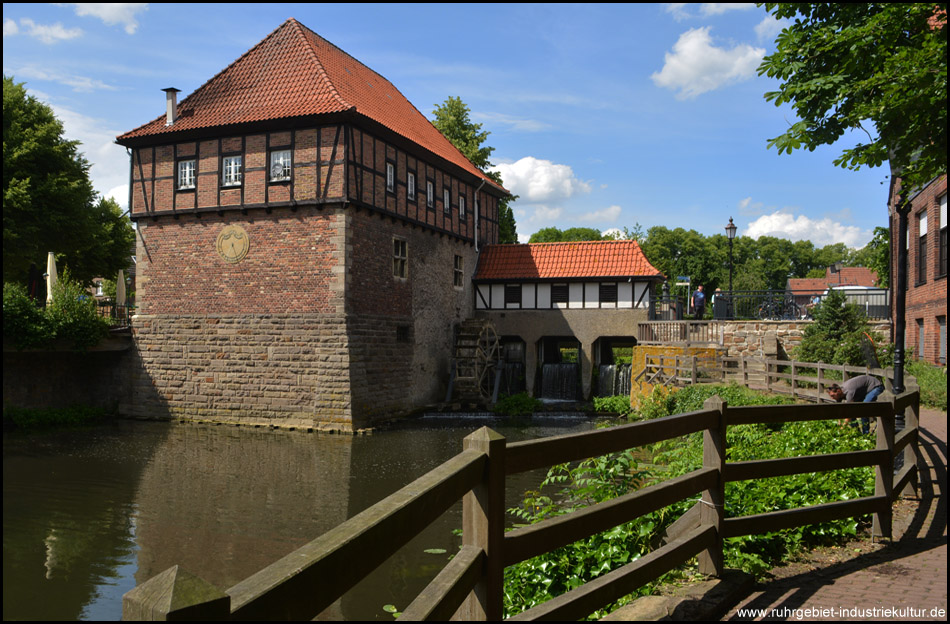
(72, 317)
(24, 324)
(932, 381)
(517, 405)
(536, 580)
(837, 334)
(618, 404)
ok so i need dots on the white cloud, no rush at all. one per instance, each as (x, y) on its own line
(112, 14)
(749, 208)
(696, 66)
(681, 11)
(517, 124)
(10, 28)
(109, 169)
(47, 33)
(609, 214)
(78, 83)
(821, 232)
(538, 180)
(769, 28)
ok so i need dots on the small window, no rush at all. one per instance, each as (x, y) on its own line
(461, 206)
(231, 171)
(459, 272)
(513, 294)
(186, 174)
(922, 248)
(99, 289)
(280, 165)
(400, 258)
(559, 293)
(390, 177)
(411, 186)
(942, 254)
(446, 200)
(430, 195)
(608, 293)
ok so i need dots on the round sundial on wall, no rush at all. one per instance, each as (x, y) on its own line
(233, 243)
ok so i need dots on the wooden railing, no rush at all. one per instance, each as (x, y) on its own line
(679, 332)
(308, 580)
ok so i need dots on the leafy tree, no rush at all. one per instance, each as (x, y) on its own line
(876, 255)
(48, 201)
(837, 333)
(453, 120)
(842, 65)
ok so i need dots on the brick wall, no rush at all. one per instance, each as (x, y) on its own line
(926, 300)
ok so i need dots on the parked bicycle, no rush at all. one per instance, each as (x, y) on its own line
(779, 309)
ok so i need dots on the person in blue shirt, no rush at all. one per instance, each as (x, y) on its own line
(699, 302)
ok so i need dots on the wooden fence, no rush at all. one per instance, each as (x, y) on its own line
(470, 587)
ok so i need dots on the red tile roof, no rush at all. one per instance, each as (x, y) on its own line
(292, 73)
(577, 260)
(849, 276)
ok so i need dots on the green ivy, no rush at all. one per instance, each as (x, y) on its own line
(517, 405)
(569, 487)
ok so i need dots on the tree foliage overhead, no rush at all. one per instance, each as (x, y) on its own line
(452, 119)
(844, 65)
(49, 203)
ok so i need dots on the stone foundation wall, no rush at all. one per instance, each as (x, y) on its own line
(772, 339)
(287, 369)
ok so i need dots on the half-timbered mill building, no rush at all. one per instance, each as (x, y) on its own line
(549, 300)
(306, 241)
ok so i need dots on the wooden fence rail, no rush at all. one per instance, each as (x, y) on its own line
(308, 580)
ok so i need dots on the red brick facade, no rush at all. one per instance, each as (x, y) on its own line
(926, 296)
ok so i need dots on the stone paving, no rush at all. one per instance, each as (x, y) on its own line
(905, 579)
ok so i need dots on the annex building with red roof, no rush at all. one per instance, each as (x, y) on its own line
(306, 240)
(588, 296)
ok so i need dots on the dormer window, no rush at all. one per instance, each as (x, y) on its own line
(280, 165)
(231, 171)
(186, 174)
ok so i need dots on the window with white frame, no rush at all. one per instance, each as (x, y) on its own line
(461, 206)
(231, 171)
(942, 256)
(280, 165)
(411, 186)
(390, 177)
(430, 195)
(400, 258)
(186, 174)
(446, 201)
(922, 248)
(458, 278)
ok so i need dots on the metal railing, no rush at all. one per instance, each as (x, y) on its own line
(775, 305)
(120, 316)
(471, 586)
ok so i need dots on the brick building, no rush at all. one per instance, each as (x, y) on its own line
(926, 296)
(306, 241)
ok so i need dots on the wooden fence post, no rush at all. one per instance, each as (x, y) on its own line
(712, 511)
(483, 525)
(884, 473)
(820, 381)
(175, 595)
(912, 451)
(694, 372)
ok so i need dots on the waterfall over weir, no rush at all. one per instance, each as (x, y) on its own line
(559, 381)
(614, 379)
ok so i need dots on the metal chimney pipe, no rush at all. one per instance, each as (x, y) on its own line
(171, 105)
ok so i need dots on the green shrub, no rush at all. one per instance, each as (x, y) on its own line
(24, 324)
(536, 580)
(73, 315)
(932, 381)
(517, 405)
(618, 404)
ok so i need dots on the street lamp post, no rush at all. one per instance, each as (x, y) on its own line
(731, 233)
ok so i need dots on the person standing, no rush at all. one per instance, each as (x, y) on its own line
(860, 389)
(699, 302)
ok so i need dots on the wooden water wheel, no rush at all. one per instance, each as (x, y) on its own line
(477, 352)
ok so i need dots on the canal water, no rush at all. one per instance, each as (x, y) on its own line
(90, 513)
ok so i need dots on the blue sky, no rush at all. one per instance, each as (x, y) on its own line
(601, 116)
